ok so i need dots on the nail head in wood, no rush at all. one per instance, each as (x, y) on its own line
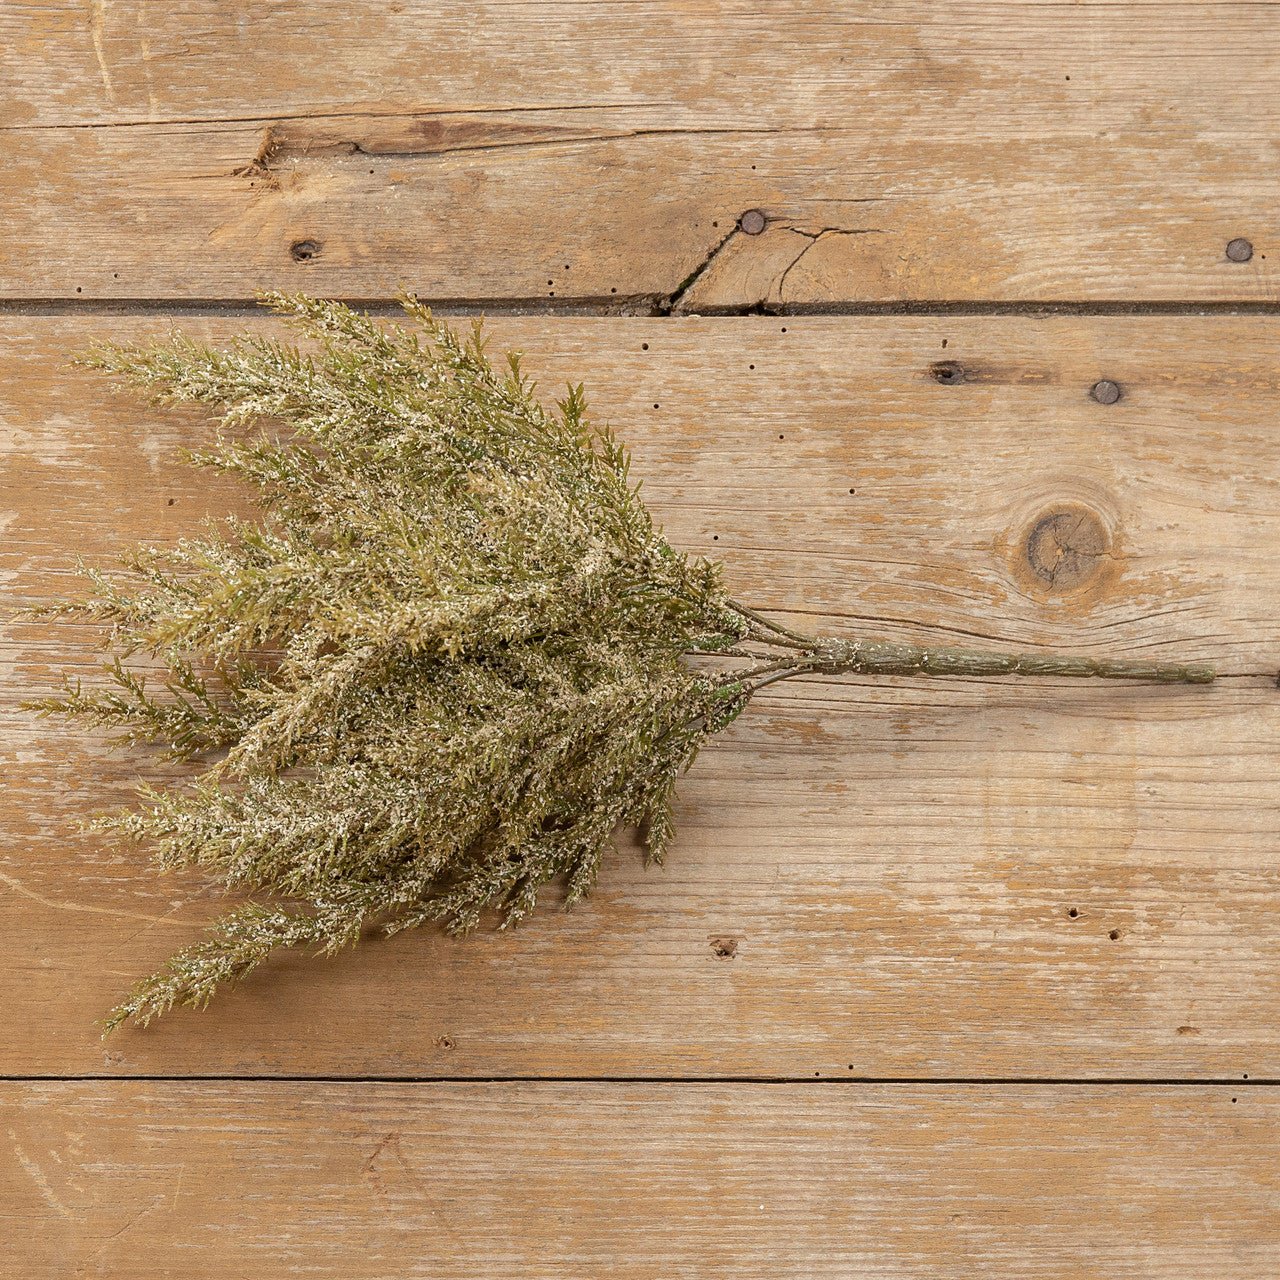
(1106, 391)
(752, 222)
(1239, 250)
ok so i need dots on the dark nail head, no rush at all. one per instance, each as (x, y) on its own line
(752, 222)
(1239, 250)
(1105, 392)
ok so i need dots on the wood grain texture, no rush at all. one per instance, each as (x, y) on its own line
(905, 878)
(540, 1180)
(550, 150)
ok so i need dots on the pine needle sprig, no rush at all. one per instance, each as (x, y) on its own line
(454, 656)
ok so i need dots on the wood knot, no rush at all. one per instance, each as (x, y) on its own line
(1064, 548)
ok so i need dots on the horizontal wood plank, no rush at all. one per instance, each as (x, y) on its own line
(905, 878)
(540, 1180)
(549, 151)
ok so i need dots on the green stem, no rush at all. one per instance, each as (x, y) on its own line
(885, 658)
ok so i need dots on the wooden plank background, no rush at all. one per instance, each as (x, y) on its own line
(368, 1181)
(555, 150)
(941, 976)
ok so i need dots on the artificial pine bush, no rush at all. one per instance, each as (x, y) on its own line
(452, 659)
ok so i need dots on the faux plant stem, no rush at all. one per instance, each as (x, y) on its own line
(837, 656)
(454, 656)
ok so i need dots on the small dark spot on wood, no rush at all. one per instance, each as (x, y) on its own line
(1064, 548)
(784, 328)
(304, 250)
(644, 346)
(1105, 391)
(944, 344)
(852, 492)
(1188, 1030)
(752, 222)
(1233, 1099)
(781, 436)
(1239, 250)
(657, 406)
(715, 537)
(613, 291)
(171, 502)
(724, 948)
(78, 289)
(1073, 912)
(1114, 935)
(750, 366)
(947, 372)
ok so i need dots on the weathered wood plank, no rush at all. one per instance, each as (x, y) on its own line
(539, 151)
(907, 878)
(150, 1180)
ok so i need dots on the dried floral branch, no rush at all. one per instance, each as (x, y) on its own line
(452, 659)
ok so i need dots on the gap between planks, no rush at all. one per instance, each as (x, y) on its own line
(651, 306)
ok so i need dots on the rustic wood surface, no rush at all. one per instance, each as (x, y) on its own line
(894, 865)
(369, 1181)
(548, 151)
(942, 978)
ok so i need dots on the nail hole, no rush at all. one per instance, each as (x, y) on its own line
(944, 344)
(1073, 912)
(1114, 935)
(781, 436)
(947, 372)
(715, 537)
(657, 406)
(644, 346)
(750, 366)
(853, 491)
(784, 328)
(304, 250)
(78, 290)
(613, 291)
